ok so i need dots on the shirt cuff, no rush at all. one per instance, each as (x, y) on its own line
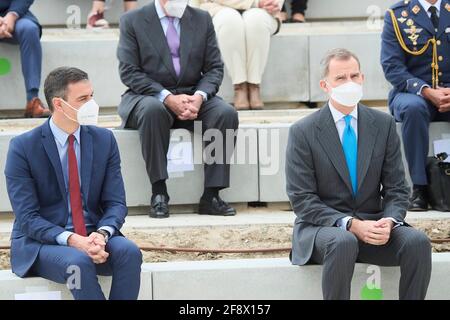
(62, 238)
(14, 13)
(421, 88)
(342, 222)
(109, 229)
(396, 223)
(203, 94)
(163, 95)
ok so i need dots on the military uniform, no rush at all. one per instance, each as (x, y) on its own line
(415, 54)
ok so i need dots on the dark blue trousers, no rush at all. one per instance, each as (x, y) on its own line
(416, 113)
(63, 264)
(27, 36)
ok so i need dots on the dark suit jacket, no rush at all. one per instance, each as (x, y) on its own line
(145, 63)
(36, 189)
(21, 7)
(318, 180)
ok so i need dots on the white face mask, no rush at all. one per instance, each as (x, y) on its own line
(87, 115)
(347, 94)
(175, 8)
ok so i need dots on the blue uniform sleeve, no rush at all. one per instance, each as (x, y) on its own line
(20, 7)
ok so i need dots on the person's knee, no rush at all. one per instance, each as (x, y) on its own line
(344, 244)
(26, 29)
(413, 107)
(79, 262)
(229, 115)
(128, 251)
(417, 245)
(228, 20)
(153, 110)
(257, 20)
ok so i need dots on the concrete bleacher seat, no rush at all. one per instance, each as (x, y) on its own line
(241, 279)
(292, 73)
(65, 11)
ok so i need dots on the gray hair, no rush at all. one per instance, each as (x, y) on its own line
(338, 54)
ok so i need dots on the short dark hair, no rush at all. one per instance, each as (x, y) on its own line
(58, 80)
(338, 54)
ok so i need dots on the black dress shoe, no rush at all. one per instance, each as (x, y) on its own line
(159, 207)
(216, 207)
(418, 200)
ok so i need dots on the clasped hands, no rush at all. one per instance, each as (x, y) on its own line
(440, 97)
(93, 245)
(372, 232)
(7, 24)
(184, 106)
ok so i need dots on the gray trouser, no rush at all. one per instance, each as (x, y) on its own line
(154, 121)
(338, 250)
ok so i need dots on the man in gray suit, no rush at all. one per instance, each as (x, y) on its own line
(171, 64)
(346, 184)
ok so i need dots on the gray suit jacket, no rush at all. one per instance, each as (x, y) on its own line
(318, 180)
(145, 63)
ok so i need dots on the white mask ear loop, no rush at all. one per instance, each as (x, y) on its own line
(70, 118)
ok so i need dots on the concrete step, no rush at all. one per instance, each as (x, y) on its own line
(74, 12)
(292, 73)
(242, 279)
(257, 173)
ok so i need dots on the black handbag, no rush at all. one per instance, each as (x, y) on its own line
(438, 173)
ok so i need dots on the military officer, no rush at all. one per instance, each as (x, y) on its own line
(415, 56)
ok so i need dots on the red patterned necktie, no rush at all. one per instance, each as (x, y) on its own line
(74, 191)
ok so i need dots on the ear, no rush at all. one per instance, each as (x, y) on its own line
(56, 103)
(324, 86)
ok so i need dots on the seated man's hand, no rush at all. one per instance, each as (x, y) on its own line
(10, 20)
(93, 246)
(372, 232)
(177, 103)
(4, 33)
(271, 6)
(439, 97)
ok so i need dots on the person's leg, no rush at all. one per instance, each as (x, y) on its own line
(216, 114)
(124, 263)
(230, 32)
(68, 265)
(129, 4)
(411, 250)
(153, 121)
(336, 250)
(259, 27)
(415, 114)
(95, 19)
(298, 10)
(27, 34)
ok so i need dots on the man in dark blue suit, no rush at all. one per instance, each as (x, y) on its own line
(415, 56)
(66, 189)
(19, 26)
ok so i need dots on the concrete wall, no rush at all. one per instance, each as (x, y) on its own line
(243, 279)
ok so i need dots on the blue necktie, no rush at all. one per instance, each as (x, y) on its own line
(350, 146)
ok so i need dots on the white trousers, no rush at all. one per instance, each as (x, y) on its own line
(244, 41)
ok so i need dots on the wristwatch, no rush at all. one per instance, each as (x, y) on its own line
(104, 233)
(349, 224)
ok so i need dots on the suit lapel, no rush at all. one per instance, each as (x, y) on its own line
(155, 34)
(49, 143)
(86, 160)
(186, 32)
(421, 17)
(329, 139)
(367, 135)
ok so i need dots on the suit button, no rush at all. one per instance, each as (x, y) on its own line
(438, 42)
(440, 74)
(441, 58)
